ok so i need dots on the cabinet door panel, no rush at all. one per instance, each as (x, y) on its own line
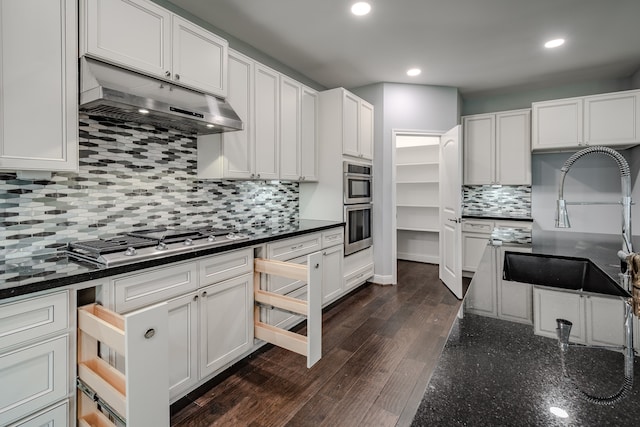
(513, 148)
(557, 124)
(266, 123)
(473, 247)
(238, 150)
(551, 305)
(226, 322)
(479, 145)
(366, 130)
(308, 135)
(332, 277)
(38, 61)
(612, 119)
(605, 321)
(350, 125)
(290, 97)
(183, 344)
(199, 58)
(133, 33)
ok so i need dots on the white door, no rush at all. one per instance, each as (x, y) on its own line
(450, 210)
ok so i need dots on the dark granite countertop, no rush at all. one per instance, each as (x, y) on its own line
(27, 275)
(506, 216)
(494, 372)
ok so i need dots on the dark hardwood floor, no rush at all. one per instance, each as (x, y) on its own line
(380, 345)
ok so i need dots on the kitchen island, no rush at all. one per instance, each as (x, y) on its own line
(498, 372)
(494, 372)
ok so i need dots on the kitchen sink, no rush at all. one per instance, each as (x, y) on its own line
(573, 274)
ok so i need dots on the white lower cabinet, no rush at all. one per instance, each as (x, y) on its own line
(596, 320)
(490, 295)
(226, 322)
(332, 279)
(56, 416)
(33, 377)
(183, 344)
(358, 268)
(34, 356)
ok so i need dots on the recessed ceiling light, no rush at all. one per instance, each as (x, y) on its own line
(361, 8)
(414, 72)
(143, 111)
(210, 126)
(554, 43)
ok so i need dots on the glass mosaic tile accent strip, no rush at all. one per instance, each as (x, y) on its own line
(521, 236)
(492, 200)
(131, 177)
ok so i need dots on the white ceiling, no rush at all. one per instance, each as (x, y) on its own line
(478, 46)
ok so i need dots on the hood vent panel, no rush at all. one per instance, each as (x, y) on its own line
(111, 92)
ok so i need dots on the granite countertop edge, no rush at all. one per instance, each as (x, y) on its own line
(55, 276)
(498, 217)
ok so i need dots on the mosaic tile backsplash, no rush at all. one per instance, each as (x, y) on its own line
(131, 177)
(506, 200)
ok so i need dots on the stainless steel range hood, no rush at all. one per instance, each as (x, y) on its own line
(109, 91)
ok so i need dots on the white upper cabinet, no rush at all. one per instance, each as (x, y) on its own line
(266, 123)
(199, 58)
(280, 127)
(144, 37)
(497, 148)
(239, 150)
(309, 135)
(366, 130)
(357, 126)
(611, 119)
(298, 105)
(290, 99)
(353, 119)
(38, 82)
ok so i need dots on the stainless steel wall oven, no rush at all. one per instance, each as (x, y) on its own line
(358, 227)
(358, 178)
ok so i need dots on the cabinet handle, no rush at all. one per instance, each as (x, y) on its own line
(177, 76)
(150, 333)
(195, 297)
(204, 294)
(167, 73)
(258, 176)
(316, 266)
(324, 253)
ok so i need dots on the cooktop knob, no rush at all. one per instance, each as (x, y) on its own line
(161, 246)
(188, 242)
(130, 251)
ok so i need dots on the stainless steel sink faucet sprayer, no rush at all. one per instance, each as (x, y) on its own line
(627, 258)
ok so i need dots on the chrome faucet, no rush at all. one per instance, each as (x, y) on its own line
(562, 217)
(625, 254)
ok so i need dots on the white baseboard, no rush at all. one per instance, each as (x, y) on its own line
(431, 259)
(380, 279)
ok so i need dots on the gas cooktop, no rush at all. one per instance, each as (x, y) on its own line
(142, 245)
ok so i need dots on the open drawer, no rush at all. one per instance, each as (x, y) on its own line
(311, 307)
(141, 396)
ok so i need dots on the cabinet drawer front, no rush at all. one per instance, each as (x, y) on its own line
(32, 318)
(357, 261)
(477, 226)
(57, 416)
(139, 290)
(292, 248)
(358, 277)
(223, 267)
(332, 238)
(32, 378)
